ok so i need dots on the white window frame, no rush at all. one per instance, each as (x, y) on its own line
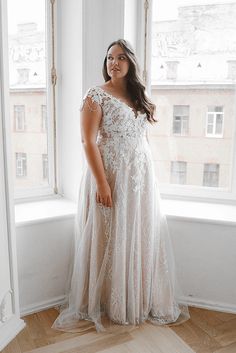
(19, 114)
(43, 118)
(176, 171)
(44, 164)
(50, 191)
(183, 192)
(206, 165)
(21, 163)
(184, 121)
(214, 113)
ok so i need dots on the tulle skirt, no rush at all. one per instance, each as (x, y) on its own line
(123, 270)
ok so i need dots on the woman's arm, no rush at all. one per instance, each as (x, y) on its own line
(91, 115)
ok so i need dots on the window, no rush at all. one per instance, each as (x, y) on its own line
(23, 75)
(45, 165)
(211, 175)
(192, 84)
(178, 172)
(171, 70)
(180, 119)
(43, 117)
(19, 117)
(214, 122)
(31, 96)
(21, 165)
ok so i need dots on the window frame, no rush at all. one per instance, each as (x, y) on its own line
(23, 163)
(214, 113)
(207, 173)
(187, 192)
(184, 120)
(49, 191)
(178, 169)
(17, 116)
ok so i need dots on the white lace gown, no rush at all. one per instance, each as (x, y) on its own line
(123, 264)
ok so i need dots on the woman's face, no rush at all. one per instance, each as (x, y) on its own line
(117, 62)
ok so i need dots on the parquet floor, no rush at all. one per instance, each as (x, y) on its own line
(206, 332)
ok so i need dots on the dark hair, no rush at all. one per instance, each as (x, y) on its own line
(135, 86)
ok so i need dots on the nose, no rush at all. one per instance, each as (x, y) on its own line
(114, 61)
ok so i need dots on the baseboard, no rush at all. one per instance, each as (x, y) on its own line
(9, 330)
(35, 308)
(191, 301)
(210, 305)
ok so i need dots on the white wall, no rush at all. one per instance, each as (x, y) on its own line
(44, 256)
(70, 87)
(205, 255)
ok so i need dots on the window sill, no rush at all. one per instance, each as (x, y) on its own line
(204, 212)
(48, 210)
(28, 213)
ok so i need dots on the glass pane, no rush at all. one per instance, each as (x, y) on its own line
(210, 129)
(28, 91)
(210, 118)
(211, 175)
(219, 120)
(191, 76)
(178, 172)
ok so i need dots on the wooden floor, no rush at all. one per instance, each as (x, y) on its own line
(206, 332)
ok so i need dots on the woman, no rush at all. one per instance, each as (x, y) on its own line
(123, 262)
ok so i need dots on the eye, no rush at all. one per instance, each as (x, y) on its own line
(109, 57)
(122, 57)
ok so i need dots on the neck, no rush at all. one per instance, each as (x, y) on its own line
(119, 85)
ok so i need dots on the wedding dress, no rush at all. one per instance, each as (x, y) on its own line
(123, 264)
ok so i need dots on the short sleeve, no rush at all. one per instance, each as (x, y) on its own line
(93, 103)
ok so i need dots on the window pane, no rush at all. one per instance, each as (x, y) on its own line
(211, 175)
(178, 172)
(219, 120)
(193, 87)
(28, 91)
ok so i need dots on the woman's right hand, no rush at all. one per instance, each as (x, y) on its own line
(103, 194)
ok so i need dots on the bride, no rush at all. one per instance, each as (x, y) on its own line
(123, 267)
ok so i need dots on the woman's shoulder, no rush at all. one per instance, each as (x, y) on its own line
(92, 97)
(95, 92)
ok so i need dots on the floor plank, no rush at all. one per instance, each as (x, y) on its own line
(206, 332)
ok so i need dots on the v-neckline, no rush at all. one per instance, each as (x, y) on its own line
(136, 114)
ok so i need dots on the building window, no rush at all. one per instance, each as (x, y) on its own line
(19, 117)
(180, 119)
(211, 174)
(43, 117)
(178, 172)
(21, 165)
(214, 126)
(23, 75)
(45, 165)
(171, 73)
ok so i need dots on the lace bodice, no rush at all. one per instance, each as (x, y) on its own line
(119, 120)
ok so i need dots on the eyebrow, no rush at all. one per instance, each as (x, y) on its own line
(118, 54)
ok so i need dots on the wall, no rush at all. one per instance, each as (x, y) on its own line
(10, 322)
(205, 254)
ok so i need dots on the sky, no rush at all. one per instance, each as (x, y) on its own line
(33, 10)
(167, 9)
(20, 11)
